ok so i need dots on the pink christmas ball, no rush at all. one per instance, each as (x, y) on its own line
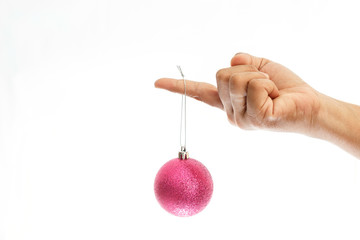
(183, 187)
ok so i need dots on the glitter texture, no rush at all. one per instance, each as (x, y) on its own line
(183, 187)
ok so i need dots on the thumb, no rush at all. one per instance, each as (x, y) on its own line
(247, 59)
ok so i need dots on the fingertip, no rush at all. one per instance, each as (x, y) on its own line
(241, 59)
(161, 83)
(156, 84)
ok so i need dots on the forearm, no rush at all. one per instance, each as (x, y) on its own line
(339, 123)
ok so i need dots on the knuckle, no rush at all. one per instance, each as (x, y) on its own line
(196, 87)
(235, 79)
(197, 91)
(179, 84)
(239, 80)
(255, 84)
(221, 74)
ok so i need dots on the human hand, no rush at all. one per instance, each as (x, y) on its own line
(256, 93)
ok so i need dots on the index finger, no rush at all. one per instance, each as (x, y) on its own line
(201, 91)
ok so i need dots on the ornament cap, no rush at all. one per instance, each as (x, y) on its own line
(183, 154)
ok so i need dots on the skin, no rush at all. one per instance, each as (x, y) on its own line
(257, 93)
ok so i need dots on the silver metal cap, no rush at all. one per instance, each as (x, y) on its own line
(183, 154)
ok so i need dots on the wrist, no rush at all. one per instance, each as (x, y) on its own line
(324, 119)
(338, 122)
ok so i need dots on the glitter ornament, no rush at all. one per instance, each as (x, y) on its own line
(183, 186)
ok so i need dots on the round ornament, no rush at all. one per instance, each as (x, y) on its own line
(183, 187)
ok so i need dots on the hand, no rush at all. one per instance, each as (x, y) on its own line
(256, 93)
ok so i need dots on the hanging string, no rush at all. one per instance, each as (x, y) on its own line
(183, 115)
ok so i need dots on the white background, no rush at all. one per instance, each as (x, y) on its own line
(83, 131)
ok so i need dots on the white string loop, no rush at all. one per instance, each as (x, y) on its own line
(183, 115)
